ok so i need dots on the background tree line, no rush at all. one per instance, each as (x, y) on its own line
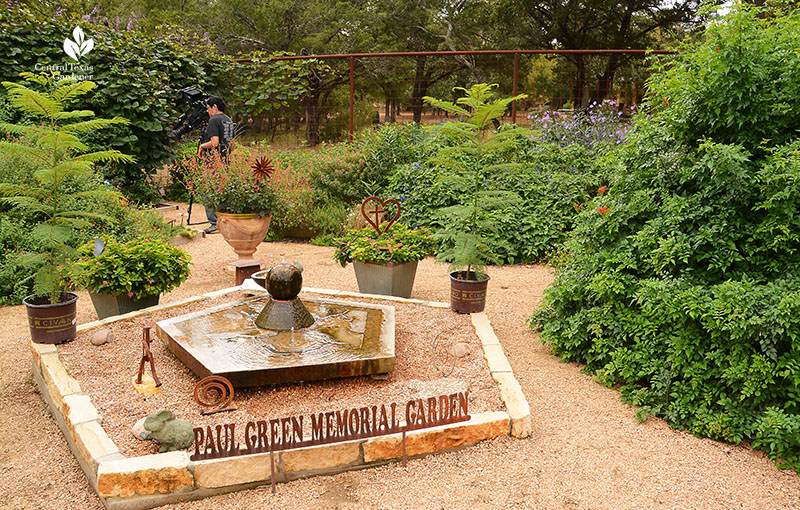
(154, 48)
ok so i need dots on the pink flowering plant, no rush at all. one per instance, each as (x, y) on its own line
(242, 184)
(138, 268)
(398, 245)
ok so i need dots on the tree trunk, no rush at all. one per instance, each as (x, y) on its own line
(312, 112)
(606, 80)
(420, 88)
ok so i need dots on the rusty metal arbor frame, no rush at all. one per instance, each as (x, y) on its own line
(516, 53)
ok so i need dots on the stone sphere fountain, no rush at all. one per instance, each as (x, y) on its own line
(284, 311)
(280, 338)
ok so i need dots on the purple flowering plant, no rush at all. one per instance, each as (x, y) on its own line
(600, 127)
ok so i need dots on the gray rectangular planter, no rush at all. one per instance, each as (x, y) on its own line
(387, 279)
(108, 305)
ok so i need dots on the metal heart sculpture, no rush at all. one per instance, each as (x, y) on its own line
(380, 209)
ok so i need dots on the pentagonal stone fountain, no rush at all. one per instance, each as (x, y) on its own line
(346, 339)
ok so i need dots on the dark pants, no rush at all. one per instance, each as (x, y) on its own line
(211, 214)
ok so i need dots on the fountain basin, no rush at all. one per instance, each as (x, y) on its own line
(347, 339)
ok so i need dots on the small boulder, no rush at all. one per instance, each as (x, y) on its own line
(138, 430)
(102, 336)
(460, 349)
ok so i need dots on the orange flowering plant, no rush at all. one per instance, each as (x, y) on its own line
(242, 183)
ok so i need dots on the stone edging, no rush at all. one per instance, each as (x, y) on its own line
(158, 479)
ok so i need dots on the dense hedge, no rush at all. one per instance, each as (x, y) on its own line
(684, 292)
(138, 78)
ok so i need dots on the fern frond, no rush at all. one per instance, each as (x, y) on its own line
(88, 125)
(48, 231)
(29, 204)
(475, 95)
(61, 140)
(31, 101)
(85, 215)
(73, 114)
(446, 106)
(18, 190)
(67, 90)
(486, 113)
(15, 129)
(23, 150)
(104, 156)
(72, 167)
(457, 129)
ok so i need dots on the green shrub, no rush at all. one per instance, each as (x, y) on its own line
(352, 172)
(398, 245)
(682, 281)
(139, 268)
(300, 208)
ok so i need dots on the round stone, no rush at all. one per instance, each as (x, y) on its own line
(102, 336)
(284, 282)
(138, 430)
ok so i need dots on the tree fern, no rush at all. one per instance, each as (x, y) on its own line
(469, 249)
(54, 147)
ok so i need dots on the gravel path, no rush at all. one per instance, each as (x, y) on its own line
(587, 450)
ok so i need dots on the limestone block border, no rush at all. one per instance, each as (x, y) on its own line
(158, 479)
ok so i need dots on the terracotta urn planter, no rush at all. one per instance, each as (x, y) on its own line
(244, 232)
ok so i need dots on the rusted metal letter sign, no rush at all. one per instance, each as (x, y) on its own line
(277, 434)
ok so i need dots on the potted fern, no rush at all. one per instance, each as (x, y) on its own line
(474, 138)
(53, 145)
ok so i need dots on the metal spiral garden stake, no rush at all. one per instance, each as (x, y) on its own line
(215, 392)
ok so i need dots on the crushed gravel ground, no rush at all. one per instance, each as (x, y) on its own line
(587, 451)
(97, 369)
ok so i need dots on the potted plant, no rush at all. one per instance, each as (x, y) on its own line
(385, 263)
(240, 190)
(53, 145)
(474, 139)
(126, 276)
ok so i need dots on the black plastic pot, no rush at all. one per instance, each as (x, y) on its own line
(52, 323)
(467, 293)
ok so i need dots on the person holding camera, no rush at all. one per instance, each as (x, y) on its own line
(216, 136)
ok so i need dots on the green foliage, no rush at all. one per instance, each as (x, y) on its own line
(138, 77)
(550, 180)
(398, 245)
(738, 86)
(139, 268)
(467, 166)
(58, 155)
(681, 285)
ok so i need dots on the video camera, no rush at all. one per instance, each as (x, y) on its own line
(195, 116)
